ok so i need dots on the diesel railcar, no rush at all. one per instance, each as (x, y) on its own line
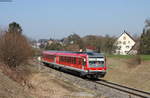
(88, 64)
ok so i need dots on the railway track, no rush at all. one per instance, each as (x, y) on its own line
(130, 91)
(108, 89)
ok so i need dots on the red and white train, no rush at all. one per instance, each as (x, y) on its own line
(88, 64)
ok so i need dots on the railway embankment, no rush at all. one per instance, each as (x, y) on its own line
(45, 82)
(99, 89)
(11, 89)
(126, 72)
(48, 83)
(40, 83)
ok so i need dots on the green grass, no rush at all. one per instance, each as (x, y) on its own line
(143, 57)
(120, 56)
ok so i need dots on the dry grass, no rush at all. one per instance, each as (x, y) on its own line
(39, 82)
(8, 87)
(125, 72)
(43, 84)
(19, 74)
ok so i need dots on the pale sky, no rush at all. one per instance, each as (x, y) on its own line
(60, 18)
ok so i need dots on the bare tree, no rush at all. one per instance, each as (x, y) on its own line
(14, 49)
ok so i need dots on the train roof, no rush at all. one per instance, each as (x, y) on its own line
(93, 54)
(90, 54)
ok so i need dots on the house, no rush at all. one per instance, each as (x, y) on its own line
(124, 44)
(41, 43)
(134, 49)
(90, 49)
(49, 42)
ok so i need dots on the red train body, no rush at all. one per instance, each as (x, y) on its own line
(86, 63)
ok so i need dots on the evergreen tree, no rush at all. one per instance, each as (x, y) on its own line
(145, 39)
(15, 28)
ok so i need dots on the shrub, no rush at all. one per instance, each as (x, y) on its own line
(37, 52)
(54, 46)
(14, 49)
(135, 61)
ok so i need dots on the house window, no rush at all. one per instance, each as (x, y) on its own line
(128, 41)
(124, 42)
(119, 42)
(127, 46)
(124, 38)
(119, 47)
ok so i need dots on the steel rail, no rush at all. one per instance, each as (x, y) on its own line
(125, 89)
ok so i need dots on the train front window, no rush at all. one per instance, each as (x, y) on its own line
(96, 62)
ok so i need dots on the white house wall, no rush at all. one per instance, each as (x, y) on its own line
(124, 44)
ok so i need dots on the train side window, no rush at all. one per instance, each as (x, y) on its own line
(51, 57)
(66, 59)
(69, 59)
(63, 58)
(80, 61)
(74, 60)
(60, 58)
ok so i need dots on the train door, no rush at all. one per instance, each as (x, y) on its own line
(84, 63)
(79, 63)
(56, 59)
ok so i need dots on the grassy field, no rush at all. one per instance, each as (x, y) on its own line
(143, 57)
